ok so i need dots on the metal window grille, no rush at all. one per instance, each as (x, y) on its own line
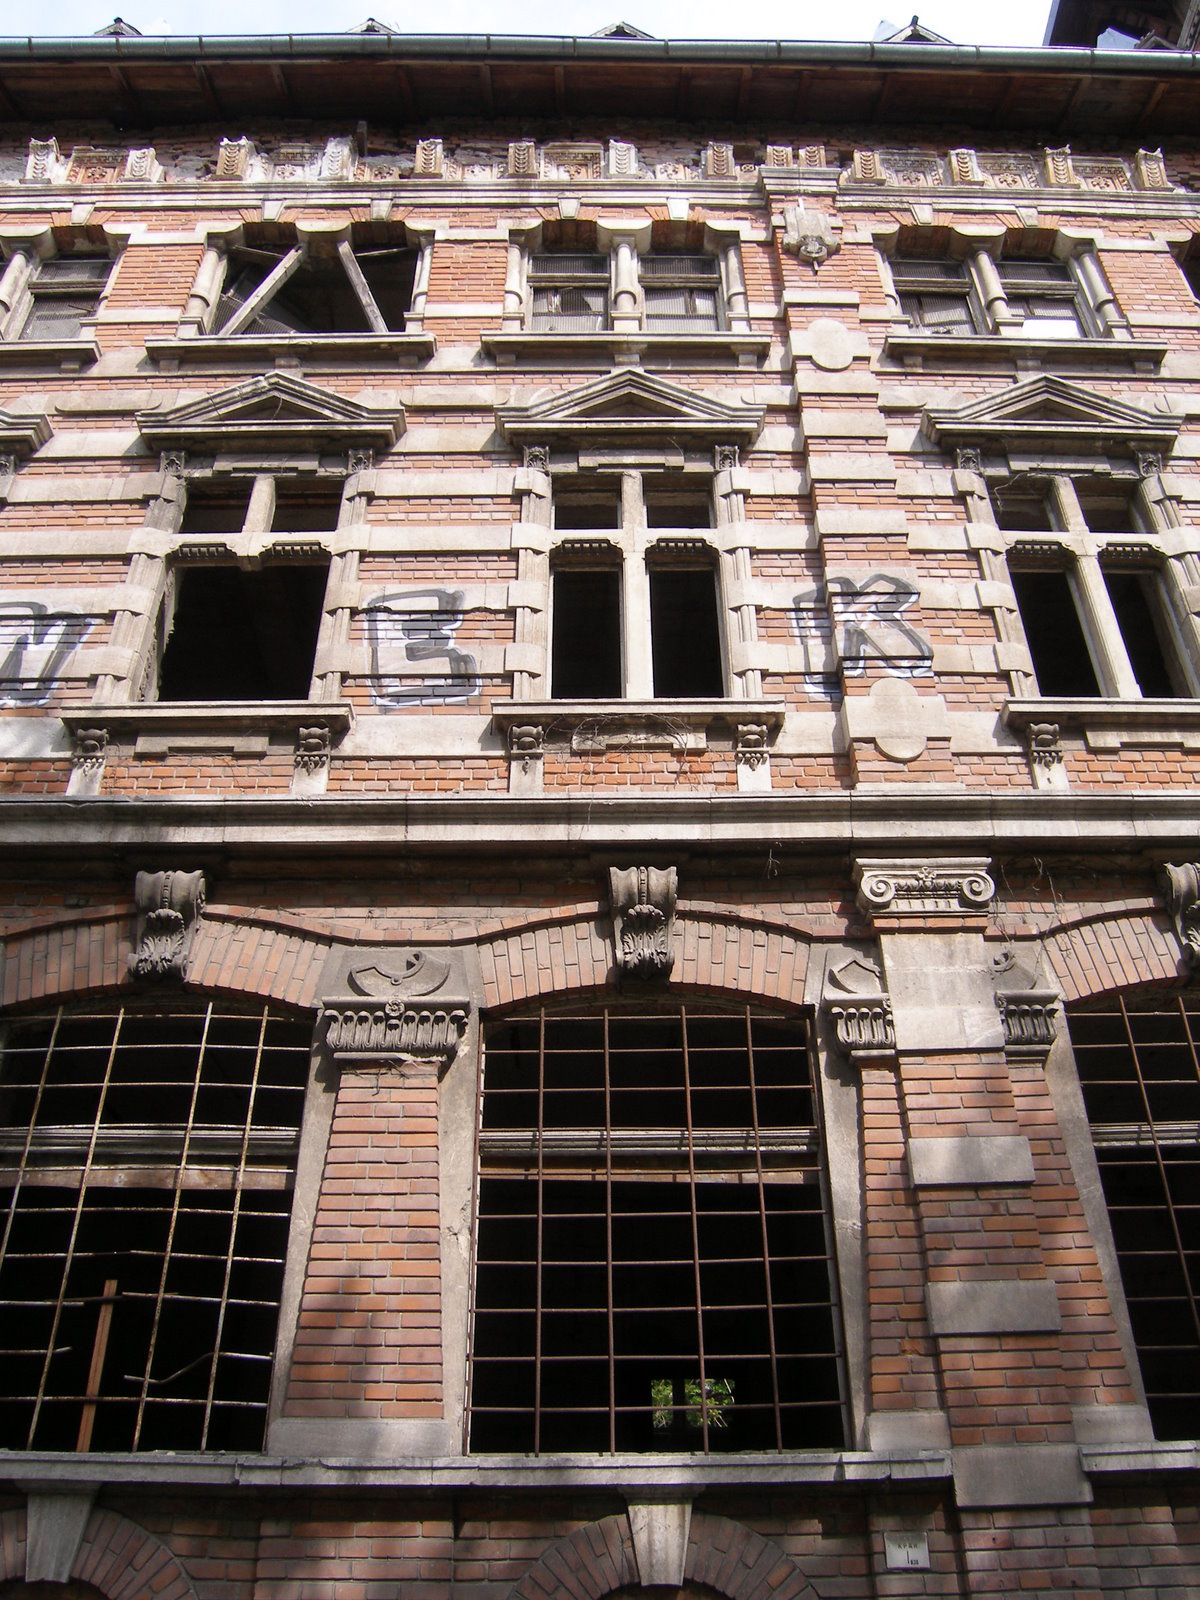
(1044, 292)
(935, 296)
(652, 1264)
(569, 293)
(147, 1158)
(64, 292)
(682, 293)
(1140, 1075)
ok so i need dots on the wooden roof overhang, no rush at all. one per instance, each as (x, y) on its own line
(392, 79)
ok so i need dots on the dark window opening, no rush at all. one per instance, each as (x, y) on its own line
(1106, 509)
(1138, 604)
(1045, 294)
(146, 1167)
(652, 1260)
(568, 293)
(585, 656)
(239, 635)
(1021, 511)
(590, 507)
(307, 507)
(1137, 1063)
(682, 293)
(64, 292)
(676, 504)
(215, 508)
(1190, 267)
(320, 296)
(1054, 634)
(685, 633)
(935, 295)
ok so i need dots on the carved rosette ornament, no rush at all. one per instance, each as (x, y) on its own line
(903, 888)
(1183, 889)
(643, 913)
(395, 1008)
(169, 905)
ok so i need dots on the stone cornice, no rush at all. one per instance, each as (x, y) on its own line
(1154, 825)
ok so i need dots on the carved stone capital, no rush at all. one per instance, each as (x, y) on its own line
(169, 905)
(1183, 890)
(393, 1006)
(172, 463)
(537, 457)
(312, 747)
(88, 749)
(726, 457)
(810, 234)
(859, 1010)
(643, 913)
(1028, 1017)
(967, 458)
(360, 460)
(954, 887)
(1149, 463)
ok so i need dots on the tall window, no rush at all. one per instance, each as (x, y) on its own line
(147, 1157)
(1138, 1066)
(652, 1255)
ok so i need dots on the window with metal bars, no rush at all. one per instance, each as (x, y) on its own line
(1046, 295)
(568, 293)
(937, 296)
(147, 1158)
(63, 292)
(1140, 1074)
(652, 1257)
(682, 293)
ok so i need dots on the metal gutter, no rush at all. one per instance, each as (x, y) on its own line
(552, 48)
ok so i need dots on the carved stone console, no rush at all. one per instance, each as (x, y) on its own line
(860, 1011)
(643, 913)
(169, 905)
(395, 1007)
(1183, 890)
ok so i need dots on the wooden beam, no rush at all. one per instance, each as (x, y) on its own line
(800, 105)
(362, 289)
(130, 104)
(1073, 100)
(1004, 104)
(405, 91)
(87, 1420)
(560, 90)
(1151, 106)
(279, 79)
(274, 280)
(485, 89)
(208, 92)
(683, 94)
(745, 81)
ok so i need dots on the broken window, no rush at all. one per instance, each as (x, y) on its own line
(1137, 1063)
(568, 293)
(62, 293)
(652, 1263)
(1058, 648)
(990, 292)
(571, 290)
(314, 286)
(147, 1158)
(937, 296)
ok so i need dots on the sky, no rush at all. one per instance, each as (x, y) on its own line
(1019, 22)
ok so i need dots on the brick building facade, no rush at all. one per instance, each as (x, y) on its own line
(601, 713)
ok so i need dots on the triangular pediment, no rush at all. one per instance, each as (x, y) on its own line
(1046, 408)
(631, 405)
(273, 409)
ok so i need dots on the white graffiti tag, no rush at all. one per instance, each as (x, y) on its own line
(418, 625)
(34, 648)
(862, 623)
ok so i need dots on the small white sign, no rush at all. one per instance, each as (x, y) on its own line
(906, 1552)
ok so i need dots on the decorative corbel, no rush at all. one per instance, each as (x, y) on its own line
(89, 748)
(526, 743)
(861, 1013)
(643, 913)
(313, 746)
(395, 1008)
(1045, 744)
(169, 905)
(1183, 889)
(753, 744)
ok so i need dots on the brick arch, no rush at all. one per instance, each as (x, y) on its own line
(1112, 951)
(712, 953)
(723, 1556)
(72, 959)
(117, 1557)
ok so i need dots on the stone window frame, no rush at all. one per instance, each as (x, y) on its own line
(25, 252)
(627, 334)
(194, 343)
(1105, 331)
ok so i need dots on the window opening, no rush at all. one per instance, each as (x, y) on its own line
(147, 1158)
(675, 504)
(1045, 294)
(215, 510)
(1137, 602)
(590, 507)
(307, 506)
(344, 291)
(569, 293)
(1138, 1068)
(685, 633)
(240, 634)
(652, 1258)
(935, 295)
(64, 291)
(1021, 511)
(1058, 647)
(585, 661)
(1106, 509)
(682, 293)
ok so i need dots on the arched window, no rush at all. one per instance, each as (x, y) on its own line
(653, 1265)
(1139, 1069)
(147, 1156)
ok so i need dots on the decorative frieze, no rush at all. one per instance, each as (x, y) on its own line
(1103, 172)
(643, 912)
(1058, 170)
(903, 888)
(523, 159)
(720, 161)
(572, 162)
(430, 161)
(1011, 171)
(394, 1006)
(1183, 889)
(964, 167)
(234, 158)
(44, 164)
(169, 906)
(1151, 170)
(622, 159)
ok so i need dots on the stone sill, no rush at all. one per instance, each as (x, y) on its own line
(67, 354)
(47, 1471)
(625, 348)
(1141, 1459)
(244, 727)
(642, 724)
(398, 349)
(1114, 724)
(1146, 354)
